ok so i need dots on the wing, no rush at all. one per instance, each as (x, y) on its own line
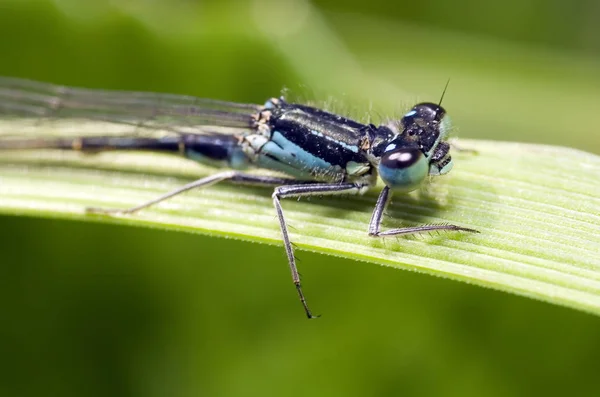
(44, 104)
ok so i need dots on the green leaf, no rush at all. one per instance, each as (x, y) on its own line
(537, 208)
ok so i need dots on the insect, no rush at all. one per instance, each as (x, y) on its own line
(320, 153)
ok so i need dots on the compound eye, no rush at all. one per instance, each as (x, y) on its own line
(429, 111)
(403, 169)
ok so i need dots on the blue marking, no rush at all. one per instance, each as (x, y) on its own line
(352, 148)
(276, 165)
(282, 155)
(411, 113)
(238, 159)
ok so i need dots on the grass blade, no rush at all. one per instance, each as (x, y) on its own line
(537, 208)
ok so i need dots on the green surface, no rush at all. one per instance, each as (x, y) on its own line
(537, 233)
(96, 309)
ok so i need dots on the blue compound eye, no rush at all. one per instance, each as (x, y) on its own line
(403, 169)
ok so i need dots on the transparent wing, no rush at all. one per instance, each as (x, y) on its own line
(44, 104)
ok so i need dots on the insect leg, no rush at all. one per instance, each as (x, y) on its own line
(313, 189)
(375, 224)
(285, 188)
(232, 176)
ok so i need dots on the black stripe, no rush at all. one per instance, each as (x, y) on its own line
(298, 129)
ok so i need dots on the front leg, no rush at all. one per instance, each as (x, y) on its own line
(375, 224)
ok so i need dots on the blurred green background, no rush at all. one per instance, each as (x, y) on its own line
(101, 310)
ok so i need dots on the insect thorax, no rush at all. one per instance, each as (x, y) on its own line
(307, 143)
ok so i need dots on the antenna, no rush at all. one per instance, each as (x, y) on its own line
(444, 92)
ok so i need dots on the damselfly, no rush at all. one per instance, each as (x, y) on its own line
(320, 153)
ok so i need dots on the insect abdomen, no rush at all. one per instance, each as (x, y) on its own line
(215, 150)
